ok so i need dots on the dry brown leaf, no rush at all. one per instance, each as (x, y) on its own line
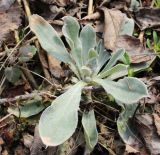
(134, 48)
(157, 123)
(93, 16)
(118, 4)
(130, 149)
(55, 67)
(27, 140)
(58, 2)
(5, 4)
(148, 17)
(147, 130)
(9, 21)
(113, 21)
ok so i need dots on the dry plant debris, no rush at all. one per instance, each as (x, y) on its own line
(30, 79)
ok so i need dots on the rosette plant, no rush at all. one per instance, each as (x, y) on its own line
(93, 66)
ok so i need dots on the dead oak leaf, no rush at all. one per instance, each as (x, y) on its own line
(145, 127)
(157, 123)
(148, 17)
(5, 4)
(134, 48)
(113, 20)
(130, 149)
(9, 21)
(58, 2)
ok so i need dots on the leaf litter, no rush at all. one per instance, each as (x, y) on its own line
(119, 29)
(9, 18)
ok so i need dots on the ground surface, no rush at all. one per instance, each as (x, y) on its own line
(28, 76)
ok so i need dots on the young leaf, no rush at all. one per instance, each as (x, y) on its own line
(71, 32)
(126, 59)
(90, 129)
(115, 57)
(48, 38)
(59, 121)
(128, 90)
(92, 60)
(115, 72)
(155, 37)
(103, 56)
(88, 39)
(92, 54)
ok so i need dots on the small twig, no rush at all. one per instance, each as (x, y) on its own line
(5, 117)
(2, 55)
(140, 1)
(43, 61)
(25, 97)
(31, 40)
(107, 106)
(90, 7)
(27, 9)
(152, 3)
(141, 36)
(30, 77)
(10, 54)
(2, 83)
(103, 116)
(53, 84)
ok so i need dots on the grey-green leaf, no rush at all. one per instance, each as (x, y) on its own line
(134, 6)
(113, 60)
(27, 52)
(71, 32)
(48, 38)
(103, 56)
(12, 74)
(128, 90)
(88, 39)
(29, 108)
(125, 125)
(59, 121)
(115, 72)
(90, 129)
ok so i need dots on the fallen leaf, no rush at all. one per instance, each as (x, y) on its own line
(118, 4)
(148, 17)
(55, 67)
(113, 21)
(12, 74)
(21, 150)
(58, 2)
(27, 140)
(9, 21)
(147, 131)
(130, 149)
(5, 4)
(134, 48)
(157, 123)
(26, 52)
